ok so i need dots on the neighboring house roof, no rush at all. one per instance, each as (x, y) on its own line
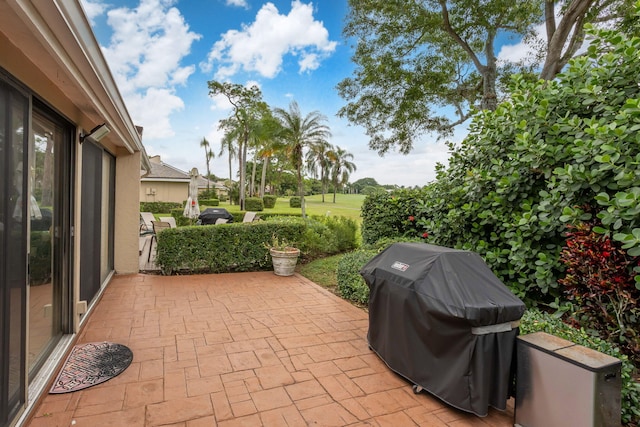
(202, 184)
(161, 171)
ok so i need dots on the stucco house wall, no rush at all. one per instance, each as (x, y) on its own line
(49, 54)
(166, 183)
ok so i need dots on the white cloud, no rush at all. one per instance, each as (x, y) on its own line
(145, 53)
(261, 46)
(525, 50)
(239, 3)
(151, 109)
(93, 8)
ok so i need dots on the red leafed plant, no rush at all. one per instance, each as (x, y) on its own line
(600, 280)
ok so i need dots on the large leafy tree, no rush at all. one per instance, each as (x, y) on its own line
(414, 57)
(298, 133)
(566, 36)
(247, 108)
(423, 66)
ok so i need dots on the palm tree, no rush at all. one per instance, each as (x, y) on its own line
(208, 153)
(317, 159)
(298, 133)
(341, 168)
(227, 144)
(264, 142)
(270, 144)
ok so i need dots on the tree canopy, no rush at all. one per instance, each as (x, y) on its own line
(248, 108)
(423, 66)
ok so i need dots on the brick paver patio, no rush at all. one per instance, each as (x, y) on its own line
(242, 349)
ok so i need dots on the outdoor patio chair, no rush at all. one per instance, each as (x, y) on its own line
(249, 217)
(157, 227)
(171, 220)
(146, 219)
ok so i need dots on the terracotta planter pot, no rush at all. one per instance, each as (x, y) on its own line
(284, 262)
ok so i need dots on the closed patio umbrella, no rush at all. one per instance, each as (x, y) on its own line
(192, 208)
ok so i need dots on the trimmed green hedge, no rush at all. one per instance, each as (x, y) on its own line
(159, 207)
(295, 202)
(254, 204)
(269, 201)
(222, 248)
(209, 202)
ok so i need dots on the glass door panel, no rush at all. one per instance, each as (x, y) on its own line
(14, 113)
(44, 288)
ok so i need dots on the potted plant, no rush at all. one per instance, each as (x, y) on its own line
(284, 256)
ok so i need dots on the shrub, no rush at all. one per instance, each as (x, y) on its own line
(181, 220)
(382, 244)
(295, 202)
(524, 169)
(254, 204)
(388, 214)
(208, 194)
(329, 235)
(159, 207)
(208, 202)
(269, 201)
(600, 280)
(222, 248)
(535, 320)
(351, 285)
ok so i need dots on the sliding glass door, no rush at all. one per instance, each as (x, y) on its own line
(46, 283)
(36, 192)
(14, 135)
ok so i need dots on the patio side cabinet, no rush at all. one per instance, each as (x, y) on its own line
(559, 383)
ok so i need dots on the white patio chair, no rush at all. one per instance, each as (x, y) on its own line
(146, 222)
(171, 220)
(249, 217)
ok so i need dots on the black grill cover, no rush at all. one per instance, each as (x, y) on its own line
(209, 215)
(440, 318)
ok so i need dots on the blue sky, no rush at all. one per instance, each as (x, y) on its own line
(163, 52)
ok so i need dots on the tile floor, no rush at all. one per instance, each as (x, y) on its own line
(242, 349)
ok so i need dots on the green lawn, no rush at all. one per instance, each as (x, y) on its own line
(347, 205)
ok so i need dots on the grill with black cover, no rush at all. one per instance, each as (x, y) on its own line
(209, 216)
(440, 318)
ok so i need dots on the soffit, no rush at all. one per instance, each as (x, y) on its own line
(57, 38)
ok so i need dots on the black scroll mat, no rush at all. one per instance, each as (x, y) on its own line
(90, 364)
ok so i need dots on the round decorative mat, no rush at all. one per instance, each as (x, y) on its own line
(90, 364)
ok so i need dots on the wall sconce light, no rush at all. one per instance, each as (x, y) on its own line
(96, 134)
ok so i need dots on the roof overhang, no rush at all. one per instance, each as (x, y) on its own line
(56, 38)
